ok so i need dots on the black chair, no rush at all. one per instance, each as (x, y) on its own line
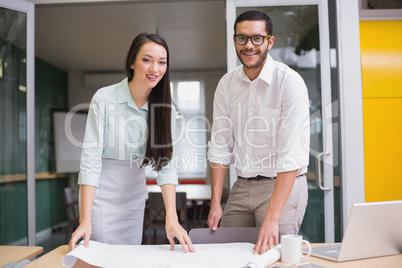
(156, 213)
(73, 216)
(224, 235)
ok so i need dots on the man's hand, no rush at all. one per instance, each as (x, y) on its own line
(218, 173)
(269, 231)
(268, 237)
(214, 216)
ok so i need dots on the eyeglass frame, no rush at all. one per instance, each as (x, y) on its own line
(251, 38)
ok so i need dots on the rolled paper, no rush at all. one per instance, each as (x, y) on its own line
(266, 259)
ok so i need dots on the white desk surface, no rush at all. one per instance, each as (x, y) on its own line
(196, 192)
(53, 260)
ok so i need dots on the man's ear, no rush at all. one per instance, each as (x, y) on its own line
(271, 42)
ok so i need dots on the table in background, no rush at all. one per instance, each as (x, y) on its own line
(197, 195)
(17, 253)
(194, 192)
(53, 260)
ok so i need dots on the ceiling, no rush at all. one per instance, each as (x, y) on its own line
(95, 36)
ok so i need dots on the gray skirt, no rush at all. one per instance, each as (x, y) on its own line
(119, 203)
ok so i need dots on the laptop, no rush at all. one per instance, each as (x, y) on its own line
(224, 235)
(373, 230)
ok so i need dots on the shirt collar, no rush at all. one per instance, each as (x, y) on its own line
(268, 70)
(123, 95)
(265, 74)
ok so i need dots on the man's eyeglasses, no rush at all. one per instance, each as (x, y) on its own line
(257, 40)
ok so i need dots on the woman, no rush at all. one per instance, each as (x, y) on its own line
(129, 126)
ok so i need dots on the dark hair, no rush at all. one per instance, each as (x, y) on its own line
(159, 148)
(255, 15)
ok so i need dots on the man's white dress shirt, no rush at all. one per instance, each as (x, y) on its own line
(262, 125)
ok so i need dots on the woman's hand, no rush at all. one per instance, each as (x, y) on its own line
(84, 230)
(174, 229)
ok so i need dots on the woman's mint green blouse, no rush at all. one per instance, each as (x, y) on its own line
(117, 129)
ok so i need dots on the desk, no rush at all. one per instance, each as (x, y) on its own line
(17, 253)
(195, 192)
(389, 261)
(53, 260)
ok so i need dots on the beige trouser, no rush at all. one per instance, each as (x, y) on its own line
(248, 202)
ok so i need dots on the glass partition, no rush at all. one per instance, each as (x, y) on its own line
(302, 41)
(13, 131)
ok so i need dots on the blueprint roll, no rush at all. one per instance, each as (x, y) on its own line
(266, 259)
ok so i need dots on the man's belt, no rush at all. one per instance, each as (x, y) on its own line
(260, 178)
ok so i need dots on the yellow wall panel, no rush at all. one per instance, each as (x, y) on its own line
(381, 56)
(382, 124)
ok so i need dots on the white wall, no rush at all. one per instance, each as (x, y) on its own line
(82, 86)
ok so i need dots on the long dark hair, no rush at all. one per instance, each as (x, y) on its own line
(159, 148)
(255, 15)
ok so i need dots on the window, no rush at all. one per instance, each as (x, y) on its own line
(190, 144)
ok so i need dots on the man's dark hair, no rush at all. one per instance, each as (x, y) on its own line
(255, 15)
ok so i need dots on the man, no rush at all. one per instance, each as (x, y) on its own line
(260, 109)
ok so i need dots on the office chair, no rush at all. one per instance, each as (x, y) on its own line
(72, 212)
(156, 213)
(224, 235)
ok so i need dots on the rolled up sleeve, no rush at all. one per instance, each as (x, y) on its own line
(168, 173)
(294, 130)
(220, 148)
(91, 155)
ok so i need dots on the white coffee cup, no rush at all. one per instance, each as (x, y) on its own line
(291, 248)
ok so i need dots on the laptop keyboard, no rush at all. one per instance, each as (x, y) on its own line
(331, 251)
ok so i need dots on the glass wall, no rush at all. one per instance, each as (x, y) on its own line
(13, 130)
